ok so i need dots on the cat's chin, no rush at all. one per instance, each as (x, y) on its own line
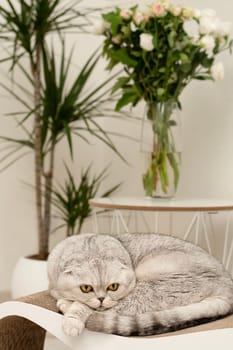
(108, 304)
(101, 308)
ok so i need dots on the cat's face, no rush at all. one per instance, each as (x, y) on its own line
(97, 283)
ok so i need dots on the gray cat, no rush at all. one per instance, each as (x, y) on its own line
(136, 284)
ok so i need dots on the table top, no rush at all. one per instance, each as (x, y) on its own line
(159, 204)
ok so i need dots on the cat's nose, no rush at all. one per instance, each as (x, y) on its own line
(101, 299)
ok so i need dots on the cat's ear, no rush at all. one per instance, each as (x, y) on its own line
(70, 269)
(122, 266)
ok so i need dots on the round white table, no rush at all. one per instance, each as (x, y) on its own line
(200, 209)
(154, 204)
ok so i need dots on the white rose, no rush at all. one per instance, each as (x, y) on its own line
(191, 28)
(166, 4)
(195, 39)
(196, 13)
(208, 25)
(146, 42)
(217, 71)
(176, 10)
(133, 27)
(223, 29)
(208, 13)
(207, 42)
(188, 12)
(100, 26)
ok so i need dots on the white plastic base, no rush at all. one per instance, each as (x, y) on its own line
(52, 322)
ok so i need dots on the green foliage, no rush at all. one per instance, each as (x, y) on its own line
(27, 24)
(164, 155)
(67, 109)
(56, 103)
(72, 200)
(74, 109)
(160, 58)
(162, 73)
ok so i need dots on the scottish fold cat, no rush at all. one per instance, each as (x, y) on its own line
(136, 284)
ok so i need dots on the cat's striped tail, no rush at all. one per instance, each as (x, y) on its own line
(159, 321)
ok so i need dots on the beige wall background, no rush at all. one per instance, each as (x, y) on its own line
(207, 143)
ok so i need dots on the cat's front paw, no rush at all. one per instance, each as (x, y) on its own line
(63, 305)
(72, 326)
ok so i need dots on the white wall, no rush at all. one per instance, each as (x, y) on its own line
(207, 166)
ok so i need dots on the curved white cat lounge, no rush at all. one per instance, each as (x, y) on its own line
(52, 322)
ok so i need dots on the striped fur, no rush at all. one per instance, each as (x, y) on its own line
(165, 284)
(158, 322)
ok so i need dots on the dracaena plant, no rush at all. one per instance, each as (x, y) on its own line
(72, 199)
(59, 108)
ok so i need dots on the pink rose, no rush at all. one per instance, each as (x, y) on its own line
(116, 39)
(138, 18)
(126, 14)
(158, 9)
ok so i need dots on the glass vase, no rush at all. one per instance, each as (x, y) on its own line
(161, 142)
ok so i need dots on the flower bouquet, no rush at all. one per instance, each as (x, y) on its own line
(162, 49)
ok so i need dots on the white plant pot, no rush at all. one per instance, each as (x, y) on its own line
(29, 276)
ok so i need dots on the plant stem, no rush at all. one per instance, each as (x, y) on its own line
(36, 72)
(48, 192)
(69, 231)
(155, 143)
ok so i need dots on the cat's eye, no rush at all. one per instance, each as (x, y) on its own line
(86, 288)
(113, 287)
